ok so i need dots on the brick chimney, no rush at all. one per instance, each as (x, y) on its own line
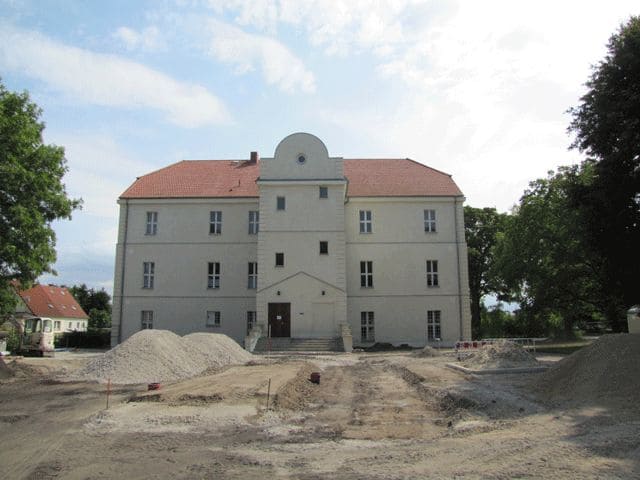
(255, 158)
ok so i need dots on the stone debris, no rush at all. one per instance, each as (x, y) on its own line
(428, 351)
(605, 373)
(160, 355)
(501, 354)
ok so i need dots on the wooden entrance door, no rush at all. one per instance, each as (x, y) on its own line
(280, 319)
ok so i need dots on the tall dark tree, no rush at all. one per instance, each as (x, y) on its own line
(606, 125)
(482, 226)
(32, 195)
(543, 256)
(97, 303)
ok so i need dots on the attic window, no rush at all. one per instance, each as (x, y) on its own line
(74, 307)
(61, 292)
(64, 307)
(301, 159)
(50, 306)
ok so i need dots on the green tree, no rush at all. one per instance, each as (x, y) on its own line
(606, 125)
(482, 226)
(542, 255)
(91, 299)
(32, 195)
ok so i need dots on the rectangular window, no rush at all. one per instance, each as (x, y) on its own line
(367, 327)
(280, 203)
(254, 222)
(430, 221)
(324, 247)
(253, 275)
(148, 269)
(213, 275)
(279, 259)
(432, 273)
(56, 325)
(146, 319)
(433, 325)
(324, 192)
(152, 223)
(251, 321)
(366, 274)
(365, 221)
(213, 319)
(215, 223)
(70, 325)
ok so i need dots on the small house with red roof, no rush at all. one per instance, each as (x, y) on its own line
(302, 245)
(55, 303)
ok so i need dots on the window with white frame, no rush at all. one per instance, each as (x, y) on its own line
(430, 221)
(253, 275)
(215, 223)
(367, 327)
(148, 273)
(280, 203)
(366, 274)
(432, 273)
(365, 221)
(251, 321)
(213, 275)
(213, 318)
(324, 192)
(56, 325)
(146, 319)
(254, 222)
(152, 223)
(279, 259)
(70, 326)
(433, 325)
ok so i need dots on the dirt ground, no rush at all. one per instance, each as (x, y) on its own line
(373, 416)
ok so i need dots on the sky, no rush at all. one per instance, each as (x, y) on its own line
(478, 89)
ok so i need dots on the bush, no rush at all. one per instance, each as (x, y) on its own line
(91, 339)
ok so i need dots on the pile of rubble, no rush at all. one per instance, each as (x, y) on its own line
(501, 354)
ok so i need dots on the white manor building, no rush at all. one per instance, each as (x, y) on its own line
(301, 245)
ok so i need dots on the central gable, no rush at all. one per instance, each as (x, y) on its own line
(301, 156)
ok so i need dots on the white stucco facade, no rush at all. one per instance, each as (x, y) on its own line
(303, 289)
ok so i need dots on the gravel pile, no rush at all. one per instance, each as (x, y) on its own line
(606, 372)
(427, 351)
(218, 349)
(160, 355)
(501, 354)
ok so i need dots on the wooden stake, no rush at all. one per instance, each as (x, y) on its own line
(268, 393)
(108, 391)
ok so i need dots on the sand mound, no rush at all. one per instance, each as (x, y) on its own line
(502, 354)
(605, 372)
(427, 351)
(160, 356)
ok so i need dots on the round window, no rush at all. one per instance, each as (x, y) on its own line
(301, 159)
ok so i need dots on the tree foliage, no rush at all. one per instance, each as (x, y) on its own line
(542, 256)
(32, 195)
(482, 226)
(97, 303)
(607, 128)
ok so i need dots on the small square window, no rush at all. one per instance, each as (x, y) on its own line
(279, 259)
(324, 247)
(324, 192)
(281, 203)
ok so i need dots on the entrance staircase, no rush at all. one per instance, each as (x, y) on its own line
(280, 344)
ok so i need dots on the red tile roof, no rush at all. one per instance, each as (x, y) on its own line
(237, 178)
(52, 301)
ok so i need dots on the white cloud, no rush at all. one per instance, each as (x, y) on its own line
(247, 52)
(107, 79)
(148, 39)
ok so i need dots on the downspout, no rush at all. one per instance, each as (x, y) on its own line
(124, 254)
(455, 217)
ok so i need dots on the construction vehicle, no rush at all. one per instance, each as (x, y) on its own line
(36, 335)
